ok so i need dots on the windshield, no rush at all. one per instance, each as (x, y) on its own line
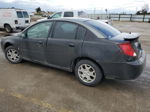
(57, 15)
(104, 28)
(25, 14)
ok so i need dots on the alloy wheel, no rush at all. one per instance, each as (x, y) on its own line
(13, 55)
(86, 73)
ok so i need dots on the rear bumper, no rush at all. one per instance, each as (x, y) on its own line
(19, 27)
(126, 71)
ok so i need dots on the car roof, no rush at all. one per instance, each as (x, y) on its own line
(71, 19)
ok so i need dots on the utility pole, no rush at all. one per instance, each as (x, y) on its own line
(106, 13)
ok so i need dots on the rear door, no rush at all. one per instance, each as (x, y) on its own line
(63, 46)
(34, 44)
(26, 17)
(23, 18)
(20, 18)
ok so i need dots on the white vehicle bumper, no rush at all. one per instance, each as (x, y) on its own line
(20, 27)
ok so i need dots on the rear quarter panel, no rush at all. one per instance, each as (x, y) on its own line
(104, 52)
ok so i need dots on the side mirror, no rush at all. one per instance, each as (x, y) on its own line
(49, 17)
(22, 35)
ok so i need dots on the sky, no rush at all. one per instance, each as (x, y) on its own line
(97, 5)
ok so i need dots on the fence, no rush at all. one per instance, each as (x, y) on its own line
(121, 17)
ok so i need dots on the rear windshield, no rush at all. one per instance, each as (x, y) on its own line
(103, 28)
(23, 14)
(19, 14)
(68, 14)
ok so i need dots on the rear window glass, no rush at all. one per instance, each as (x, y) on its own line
(103, 28)
(25, 14)
(68, 14)
(81, 33)
(19, 14)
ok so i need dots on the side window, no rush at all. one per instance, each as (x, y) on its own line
(81, 33)
(25, 14)
(19, 14)
(57, 15)
(89, 36)
(68, 14)
(40, 30)
(65, 30)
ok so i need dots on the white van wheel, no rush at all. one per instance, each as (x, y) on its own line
(8, 28)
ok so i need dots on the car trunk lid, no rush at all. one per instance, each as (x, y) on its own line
(132, 38)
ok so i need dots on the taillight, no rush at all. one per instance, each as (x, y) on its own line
(16, 21)
(127, 49)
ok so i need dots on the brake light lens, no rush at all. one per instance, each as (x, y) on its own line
(16, 21)
(127, 49)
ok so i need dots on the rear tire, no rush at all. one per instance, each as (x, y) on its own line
(88, 73)
(8, 28)
(13, 55)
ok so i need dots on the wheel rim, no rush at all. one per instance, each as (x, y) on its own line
(13, 55)
(86, 73)
(7, 29)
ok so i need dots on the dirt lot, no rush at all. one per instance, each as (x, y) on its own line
(29, 87)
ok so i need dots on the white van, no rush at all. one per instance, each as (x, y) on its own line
(65, 14)
(14, 19)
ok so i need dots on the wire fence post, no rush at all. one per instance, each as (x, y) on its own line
(109, 16)
(143, 17)
(119, 17)
(131, 17)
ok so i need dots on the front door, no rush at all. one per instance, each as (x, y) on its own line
(34, 44)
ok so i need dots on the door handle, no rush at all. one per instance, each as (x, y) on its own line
(39, 43)
(71, 45)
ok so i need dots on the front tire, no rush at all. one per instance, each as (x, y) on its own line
(8, 28)
(13, 55)
(88, 73)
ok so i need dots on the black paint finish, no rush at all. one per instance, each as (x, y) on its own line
(64, 53)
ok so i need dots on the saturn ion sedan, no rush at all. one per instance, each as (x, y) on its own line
(91, 49)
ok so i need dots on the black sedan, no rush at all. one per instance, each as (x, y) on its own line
(91, 49)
